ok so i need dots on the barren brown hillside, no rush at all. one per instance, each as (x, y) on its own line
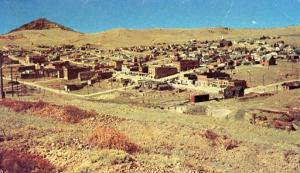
(41, 24)
(125, 37)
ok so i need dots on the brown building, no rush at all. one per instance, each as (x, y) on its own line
(225, 43)
(72, 72)
(187, 64)
(268, 60)
(233, 91)
(291, 85)
(104, 74)
(162, 71)
(144, 69)
(36, 59)
(25, 68)
(194, 98)
(214, 79)
(86, 75)
(294, 57)
(118, 65)
(236, 82)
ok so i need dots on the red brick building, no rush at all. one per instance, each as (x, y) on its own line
(72, 72)
(187, 64)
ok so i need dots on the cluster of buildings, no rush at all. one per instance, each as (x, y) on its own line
(215, 55)
(62, 62)
(194, 63)
(181, 63)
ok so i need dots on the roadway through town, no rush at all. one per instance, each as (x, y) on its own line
(57, 91)
(274, 87)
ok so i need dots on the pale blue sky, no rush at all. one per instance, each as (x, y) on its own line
(99, 15)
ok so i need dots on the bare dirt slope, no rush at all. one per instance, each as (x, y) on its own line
(170, 142)
(125, 37)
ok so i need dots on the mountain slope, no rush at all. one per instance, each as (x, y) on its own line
(124, 37)
(43, 31)
(41, 24)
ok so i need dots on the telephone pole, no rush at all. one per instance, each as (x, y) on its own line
(1, 76)
(11, 80)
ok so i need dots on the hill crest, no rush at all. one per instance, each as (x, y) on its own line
(41, 24)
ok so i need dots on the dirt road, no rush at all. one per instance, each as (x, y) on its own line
(57, 91)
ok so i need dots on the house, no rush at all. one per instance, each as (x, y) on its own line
(187, 64)
(194, 98)
(233, 91)
(225, 43)
(125, 82)
(291, 85)
(216, 75)
(73, 87)
(267, 60)
(236, 82)
(86, 75)
(71, 72)
(134, 68)
(68, 47)
(214, 79)
(118, 65)
(293, 57)
(49, 72)
(202, 80)
(146, 83)
(162, 71)
(35, 59)
(25, 68)
(161, 86)
(31, 74)
(99, 66)
(221, 59)
(104, 74)
(297, 50)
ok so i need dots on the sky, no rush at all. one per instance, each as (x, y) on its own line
(98, 15)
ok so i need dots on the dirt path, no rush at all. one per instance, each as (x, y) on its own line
(267, 88)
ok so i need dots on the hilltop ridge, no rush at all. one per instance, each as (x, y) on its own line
(41, 24)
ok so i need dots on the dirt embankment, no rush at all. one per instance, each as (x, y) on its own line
(70, 114)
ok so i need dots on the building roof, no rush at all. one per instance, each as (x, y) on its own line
(290, 84)
(267, 57)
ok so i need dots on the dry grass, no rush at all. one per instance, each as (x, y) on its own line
(70, 114)
(14, 161)
(217, 140)
(283, 71)
(110, 138)
(156, 132)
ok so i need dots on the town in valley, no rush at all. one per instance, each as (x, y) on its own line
(214, 99)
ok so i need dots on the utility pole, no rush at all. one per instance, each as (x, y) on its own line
(17, 86)
(87, 87)
(1, 76)
(249, 72)
(11, 81)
